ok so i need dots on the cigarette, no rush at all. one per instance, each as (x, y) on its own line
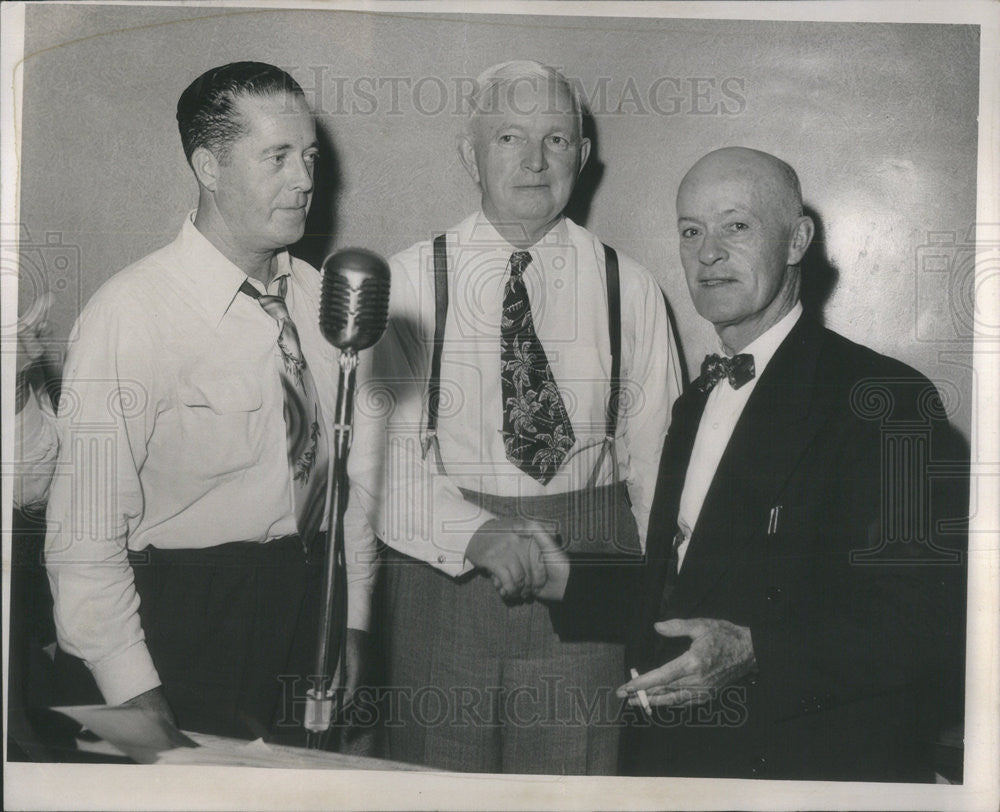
(643, 699)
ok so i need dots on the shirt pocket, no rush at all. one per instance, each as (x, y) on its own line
(224, 391)
(222, 421)
(791, 542)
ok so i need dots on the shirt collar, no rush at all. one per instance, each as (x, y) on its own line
(766, 345)
(283, 269)
(481, 231)
(493, 251)
(215, 277)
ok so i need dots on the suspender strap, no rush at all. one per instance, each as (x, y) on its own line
(440, 318)
(615, 336)
(615, 340)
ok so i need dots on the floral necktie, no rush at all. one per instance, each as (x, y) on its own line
(537, 433)
(308, 456)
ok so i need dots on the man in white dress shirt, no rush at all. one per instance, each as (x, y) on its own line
(184, 543)
(488, 431)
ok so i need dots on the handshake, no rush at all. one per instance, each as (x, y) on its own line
(522, 558)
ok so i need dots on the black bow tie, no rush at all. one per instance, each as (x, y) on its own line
(739, 369)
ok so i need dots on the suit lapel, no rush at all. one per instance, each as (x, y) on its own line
(777, 425)
(663, 513)
(674, 464)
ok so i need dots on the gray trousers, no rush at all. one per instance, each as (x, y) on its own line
(477, 685)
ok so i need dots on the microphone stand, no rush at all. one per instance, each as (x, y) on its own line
(325, 700)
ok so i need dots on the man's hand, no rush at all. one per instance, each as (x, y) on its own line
(556, 564)
(721, 652)
(154, 703)
(509, 551)
(357, 663)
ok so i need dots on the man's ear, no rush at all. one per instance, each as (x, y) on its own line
(802, 235)
(584, 154)
(206, 168)
(467, 153)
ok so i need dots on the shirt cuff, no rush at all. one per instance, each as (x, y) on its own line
(453, 564)
(447, 551)
(125, 675)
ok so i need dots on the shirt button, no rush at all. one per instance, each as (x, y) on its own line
(715, 425)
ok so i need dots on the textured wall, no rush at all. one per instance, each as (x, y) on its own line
(880, 121)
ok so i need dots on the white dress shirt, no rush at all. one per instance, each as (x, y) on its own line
(172, 434)
(722, 411)
(412, 506)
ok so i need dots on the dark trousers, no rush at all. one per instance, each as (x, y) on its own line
(232, 633)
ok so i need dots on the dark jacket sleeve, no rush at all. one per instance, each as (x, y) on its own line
(599, 600)
(887, 610)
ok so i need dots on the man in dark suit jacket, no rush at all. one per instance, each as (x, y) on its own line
(798, 604)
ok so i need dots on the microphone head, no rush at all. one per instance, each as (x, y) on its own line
(354, 304)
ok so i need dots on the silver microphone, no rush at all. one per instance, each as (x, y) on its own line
(354, 304)
(353, 312)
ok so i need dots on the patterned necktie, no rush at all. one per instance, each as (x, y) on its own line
(739, 370)
(308, 456)
(537, 433)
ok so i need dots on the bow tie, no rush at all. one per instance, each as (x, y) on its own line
(739, 369)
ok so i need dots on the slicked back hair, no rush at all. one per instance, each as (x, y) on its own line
(206, 111)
